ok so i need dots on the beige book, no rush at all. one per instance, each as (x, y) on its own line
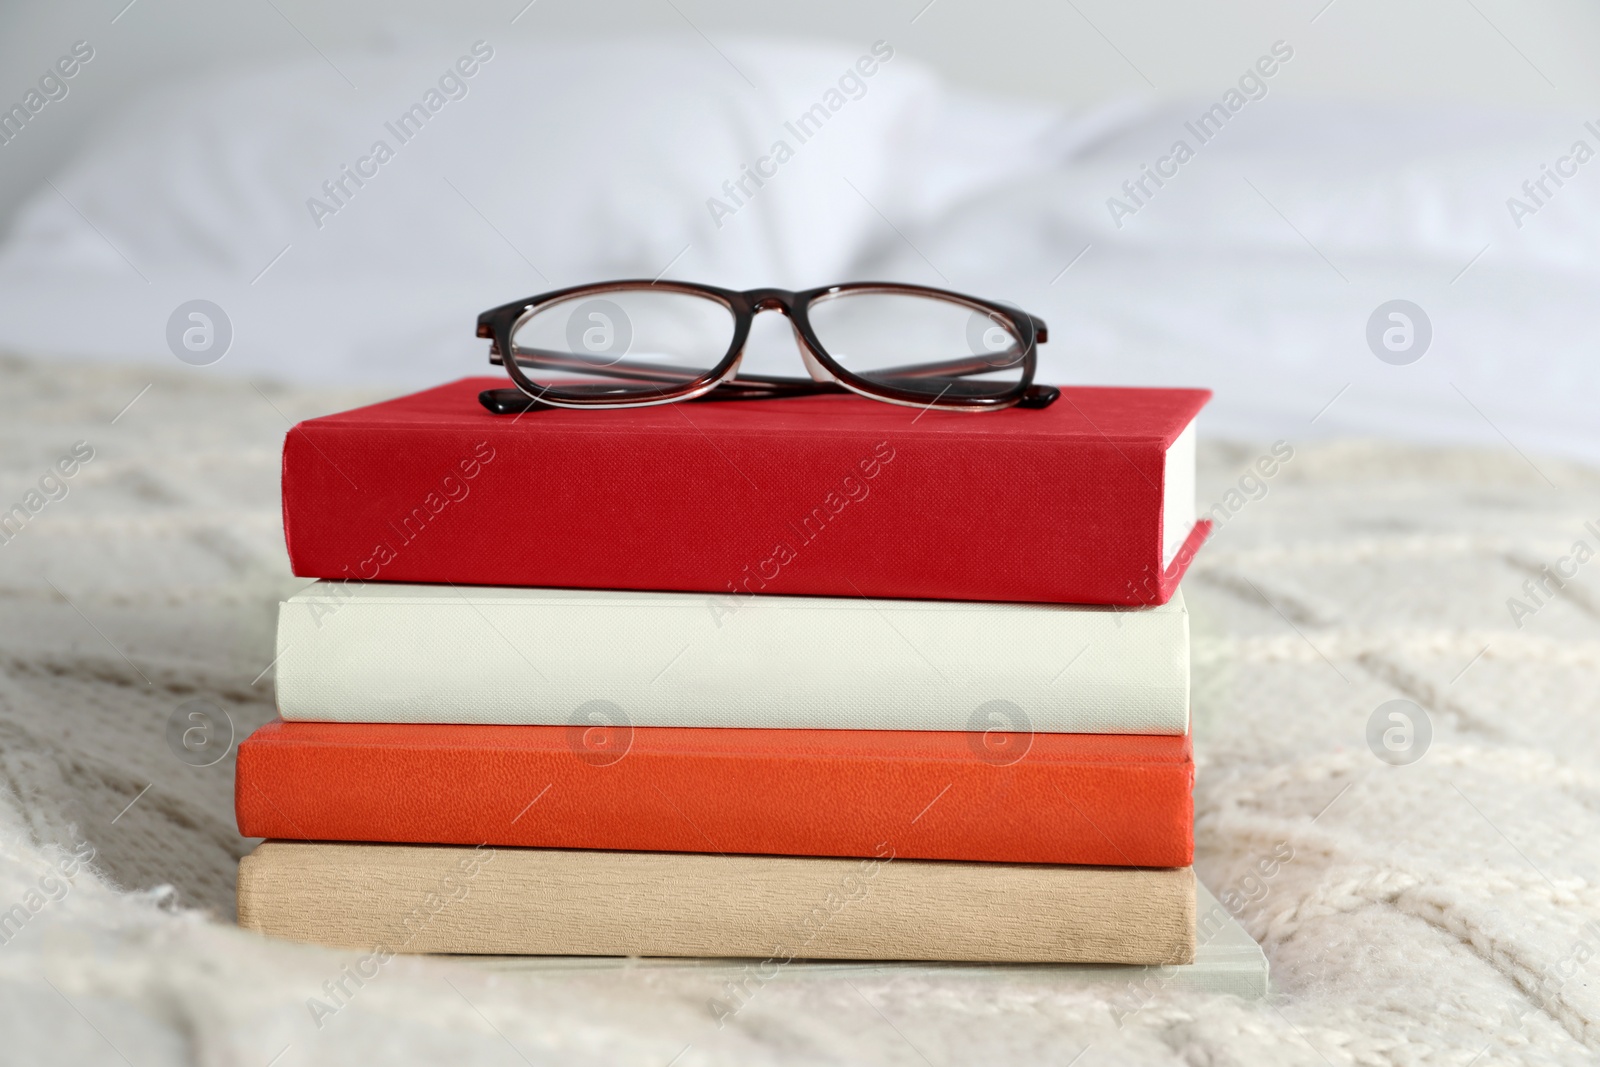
(457, 899)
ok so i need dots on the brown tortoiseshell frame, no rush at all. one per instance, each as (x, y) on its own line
(720, 382)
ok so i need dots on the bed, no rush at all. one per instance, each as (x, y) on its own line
(1443, 910)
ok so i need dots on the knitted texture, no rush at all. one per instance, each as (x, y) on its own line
(1442, 912)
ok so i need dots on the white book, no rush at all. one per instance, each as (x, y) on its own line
(390, 652)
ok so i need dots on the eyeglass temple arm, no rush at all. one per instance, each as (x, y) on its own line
(1035, 396)
(516, 402)
(646, 372)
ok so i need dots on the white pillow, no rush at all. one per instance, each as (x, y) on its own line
(1260, 268)
(587, 156)
(546, 165)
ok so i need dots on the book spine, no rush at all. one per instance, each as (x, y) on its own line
(667, 659)
(917, 515)
(385, 899)
(611, 786)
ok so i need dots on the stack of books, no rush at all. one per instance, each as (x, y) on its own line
(809, 678)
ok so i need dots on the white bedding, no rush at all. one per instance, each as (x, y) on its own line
(1422, 914)
(1253, 270)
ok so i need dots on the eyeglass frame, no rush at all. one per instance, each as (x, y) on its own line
(499, 325)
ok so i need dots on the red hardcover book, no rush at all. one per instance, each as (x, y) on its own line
(1090, 500)
(1109, 799)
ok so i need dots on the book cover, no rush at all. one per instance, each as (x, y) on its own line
(1110, 799)
(1090, 500)
(394, 652)
(390, 899)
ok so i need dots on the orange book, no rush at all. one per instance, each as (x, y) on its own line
(1106, 799)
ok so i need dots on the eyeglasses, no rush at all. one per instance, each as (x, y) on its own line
(636, 343)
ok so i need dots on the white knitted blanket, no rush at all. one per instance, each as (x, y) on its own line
(1441, 912)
